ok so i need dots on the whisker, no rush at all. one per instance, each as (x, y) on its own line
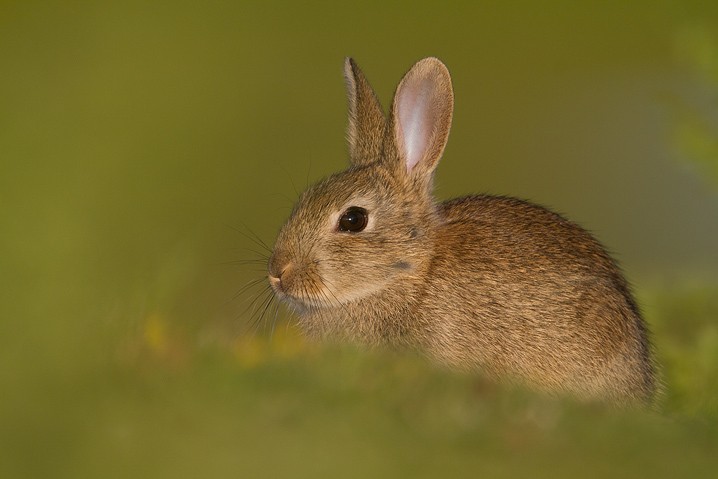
(263, 308)
(285, 197)
(309, 169)
(255, 317)
(261, 255)
(259, 240)
(243, 262)
(290, 179)
(258, 299)
(328, 286)
(274, 319)
(261, 259)
(323, 292)
(252, 236)
(258, 258)
(246, 287)
(288, 323)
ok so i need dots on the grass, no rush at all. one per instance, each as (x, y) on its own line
(159, 404)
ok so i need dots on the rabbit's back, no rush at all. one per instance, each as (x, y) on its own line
(518, 290)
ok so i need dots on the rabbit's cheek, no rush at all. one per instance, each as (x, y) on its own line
(352, 284)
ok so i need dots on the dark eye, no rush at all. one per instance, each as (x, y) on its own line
(353, 220)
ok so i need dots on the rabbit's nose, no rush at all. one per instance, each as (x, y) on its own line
(275, 282)
(278, 280)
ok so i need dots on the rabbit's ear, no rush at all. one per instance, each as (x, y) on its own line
(366, 118)
(421, 117)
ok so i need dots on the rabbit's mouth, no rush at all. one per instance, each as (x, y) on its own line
(303, 304)
(302, 297)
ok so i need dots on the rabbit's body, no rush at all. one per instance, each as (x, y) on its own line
(480, 282)
(576, 329)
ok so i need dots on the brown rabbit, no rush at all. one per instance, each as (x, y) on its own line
(481, 282)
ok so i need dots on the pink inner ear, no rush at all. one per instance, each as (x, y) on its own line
(414, 112)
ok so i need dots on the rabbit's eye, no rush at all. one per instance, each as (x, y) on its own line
(353, 220)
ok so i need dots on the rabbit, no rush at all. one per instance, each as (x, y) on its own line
(484, 283)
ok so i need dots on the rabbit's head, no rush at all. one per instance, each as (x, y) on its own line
(370, 227)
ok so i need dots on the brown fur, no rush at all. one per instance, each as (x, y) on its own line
(481, 282)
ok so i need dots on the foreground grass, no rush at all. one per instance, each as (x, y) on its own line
(158, 406)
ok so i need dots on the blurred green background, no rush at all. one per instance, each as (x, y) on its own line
(137, 138)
